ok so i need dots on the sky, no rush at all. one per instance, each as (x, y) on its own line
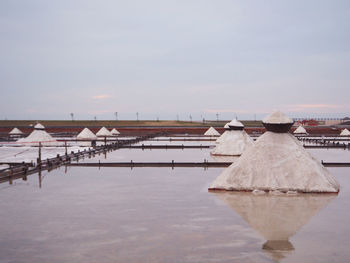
(174, 59)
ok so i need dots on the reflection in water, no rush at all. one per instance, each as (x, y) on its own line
(276, 217)
(40, 179)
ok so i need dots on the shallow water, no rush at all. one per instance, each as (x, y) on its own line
(80, 214)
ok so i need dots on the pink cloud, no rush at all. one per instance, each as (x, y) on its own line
(101, 97)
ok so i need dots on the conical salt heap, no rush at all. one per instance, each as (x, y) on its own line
(212, 132)
(104, 132)
(277, 161)
(345, 132)
(234, 141)
(276, 217)
(15, 132)
(115, 132)
(86, 134)
(300, 131)
(39, 135)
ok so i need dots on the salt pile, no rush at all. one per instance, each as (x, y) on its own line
(212, 132)
(234, 141)
(103, 132)
(15, 132)
(86, 134)
(277, 161)
(39, 135)
(115, 132)
(300, 131)
(345, 132)
(39, 126)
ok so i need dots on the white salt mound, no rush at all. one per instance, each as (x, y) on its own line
(235, 123)
(115, 132)
(345, 132)
(300, 130)
(86, 134)
(37, 136)
(277, 161)
(277, 117)
(104, 132)
(212, 132)
(15, 131)
(232, 142)
(39, 126)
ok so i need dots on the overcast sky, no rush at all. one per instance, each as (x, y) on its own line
(166, 58)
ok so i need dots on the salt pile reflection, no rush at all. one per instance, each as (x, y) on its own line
(276, 217)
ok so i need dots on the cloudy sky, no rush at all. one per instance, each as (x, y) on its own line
(166, 58)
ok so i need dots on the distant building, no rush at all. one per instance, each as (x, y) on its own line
(310, 122)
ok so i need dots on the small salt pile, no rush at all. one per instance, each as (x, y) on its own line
(300, 131)
(86, 134)
(277, 161)
(104, 132)
(234, 141)
(345, 132)
(211, 132)
(115, 132)
(15, 132)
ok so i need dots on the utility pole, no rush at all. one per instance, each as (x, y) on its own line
(137, 116)
(217, 117)
(190, 117)
(116, 115)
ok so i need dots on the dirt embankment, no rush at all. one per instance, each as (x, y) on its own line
(135, 130)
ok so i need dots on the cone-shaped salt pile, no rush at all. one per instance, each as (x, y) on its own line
(276, 217)
(86, 134)
(233, 141)
(277, 161)
(39, 135)
(345, 132)
(15, 132)
(300, 131)
(115, 132)
(103, 132)
(39, 126)
(212, 132)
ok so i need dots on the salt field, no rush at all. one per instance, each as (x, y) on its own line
(91, 214)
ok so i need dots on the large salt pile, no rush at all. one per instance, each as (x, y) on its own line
(277, 161)
(115, 132)
(345, 132)
(103, 132)
(39, 135)
(276, 217)
(234, 141)
(15, 132)
(300, 131)
(212, 132)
